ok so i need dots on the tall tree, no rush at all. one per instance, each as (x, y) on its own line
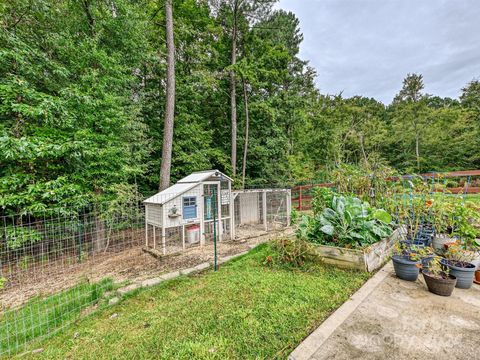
(412, 101)
(169, 101)
(242, 14)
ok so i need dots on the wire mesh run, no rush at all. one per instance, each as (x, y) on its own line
(261, 210)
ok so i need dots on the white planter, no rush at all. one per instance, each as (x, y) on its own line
(439, 241)
(476, 260)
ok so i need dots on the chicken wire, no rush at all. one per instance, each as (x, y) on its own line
(42, 247)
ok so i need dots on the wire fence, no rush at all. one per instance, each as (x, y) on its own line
(59, 264)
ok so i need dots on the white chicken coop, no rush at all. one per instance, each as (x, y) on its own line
(191, 211)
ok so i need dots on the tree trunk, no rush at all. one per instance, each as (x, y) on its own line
(233, 94)
(170, 101)
(417, 150)
(247, 125)
(99, 237)
(362, 147)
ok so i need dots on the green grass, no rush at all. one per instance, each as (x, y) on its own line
(244, 311)
(43, 316)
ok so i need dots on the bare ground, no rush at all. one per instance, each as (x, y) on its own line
(127, 265)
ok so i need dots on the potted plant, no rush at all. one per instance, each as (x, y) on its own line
(407, 261)
(442, 212)
(458, 261)
(438, 278)
(467, 218)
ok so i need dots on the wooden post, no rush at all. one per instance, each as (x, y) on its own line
(154, 238)
(164, 245)
(146, 226)
(289, 205)
(202, 214)
(232, 209)
(183, 236)
(264, 206)
(300, 198)
(219, 211)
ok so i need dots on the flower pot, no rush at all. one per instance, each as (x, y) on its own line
(476, 259)
(439, 241)
(442, 286)
(405, 268)
(464, 272)
(477, 277)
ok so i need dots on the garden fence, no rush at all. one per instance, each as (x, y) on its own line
(59, 264)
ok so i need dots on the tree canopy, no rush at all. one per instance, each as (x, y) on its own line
(83, 90)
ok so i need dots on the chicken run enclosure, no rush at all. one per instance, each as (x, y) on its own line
(52, 246)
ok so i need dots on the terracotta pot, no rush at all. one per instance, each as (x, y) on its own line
(477, 277)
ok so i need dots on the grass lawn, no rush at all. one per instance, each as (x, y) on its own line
(244, 311)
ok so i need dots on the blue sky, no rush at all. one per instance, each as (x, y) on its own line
(367, 47)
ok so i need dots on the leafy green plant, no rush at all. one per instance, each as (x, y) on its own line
(291, 252)
(322, 198)
(347, 222)
(437, 270)
(413, 252)
(17, 237)
(3, 281)
(458, 256)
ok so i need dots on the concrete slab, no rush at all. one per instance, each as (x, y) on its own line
(399, 320)
(126, 289)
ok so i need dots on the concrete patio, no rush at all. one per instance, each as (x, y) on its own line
(389, 318)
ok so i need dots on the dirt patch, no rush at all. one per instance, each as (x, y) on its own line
(127, 265)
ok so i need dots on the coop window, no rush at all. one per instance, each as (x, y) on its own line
(189, 207)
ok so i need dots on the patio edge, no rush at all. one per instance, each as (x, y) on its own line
(315, 340)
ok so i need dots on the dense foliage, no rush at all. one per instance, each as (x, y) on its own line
(82, 102)
(345, 222)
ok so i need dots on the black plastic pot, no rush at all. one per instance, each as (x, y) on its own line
(439, 285)
(405, 268)
(464, 272)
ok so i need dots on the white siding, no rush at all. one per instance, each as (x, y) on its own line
(178, 202)
(154, 214)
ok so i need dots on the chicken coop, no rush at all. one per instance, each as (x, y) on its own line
(202, 204)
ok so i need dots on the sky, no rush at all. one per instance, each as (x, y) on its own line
(367, 47)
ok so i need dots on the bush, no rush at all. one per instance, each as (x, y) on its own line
(291, 252)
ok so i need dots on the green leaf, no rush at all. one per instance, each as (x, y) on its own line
(327, 229)
(382, 215)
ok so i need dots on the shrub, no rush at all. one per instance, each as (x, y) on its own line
(291, 252)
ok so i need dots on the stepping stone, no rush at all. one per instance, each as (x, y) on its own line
(152, 282)
(171, 275)
(126, 289)
(113, 301)
(202, 266)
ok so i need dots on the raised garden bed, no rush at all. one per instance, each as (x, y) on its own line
(369, 259)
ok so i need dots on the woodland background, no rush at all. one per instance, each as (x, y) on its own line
(82, 104)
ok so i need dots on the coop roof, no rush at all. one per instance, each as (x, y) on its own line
(199, 176)
(184, 185)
